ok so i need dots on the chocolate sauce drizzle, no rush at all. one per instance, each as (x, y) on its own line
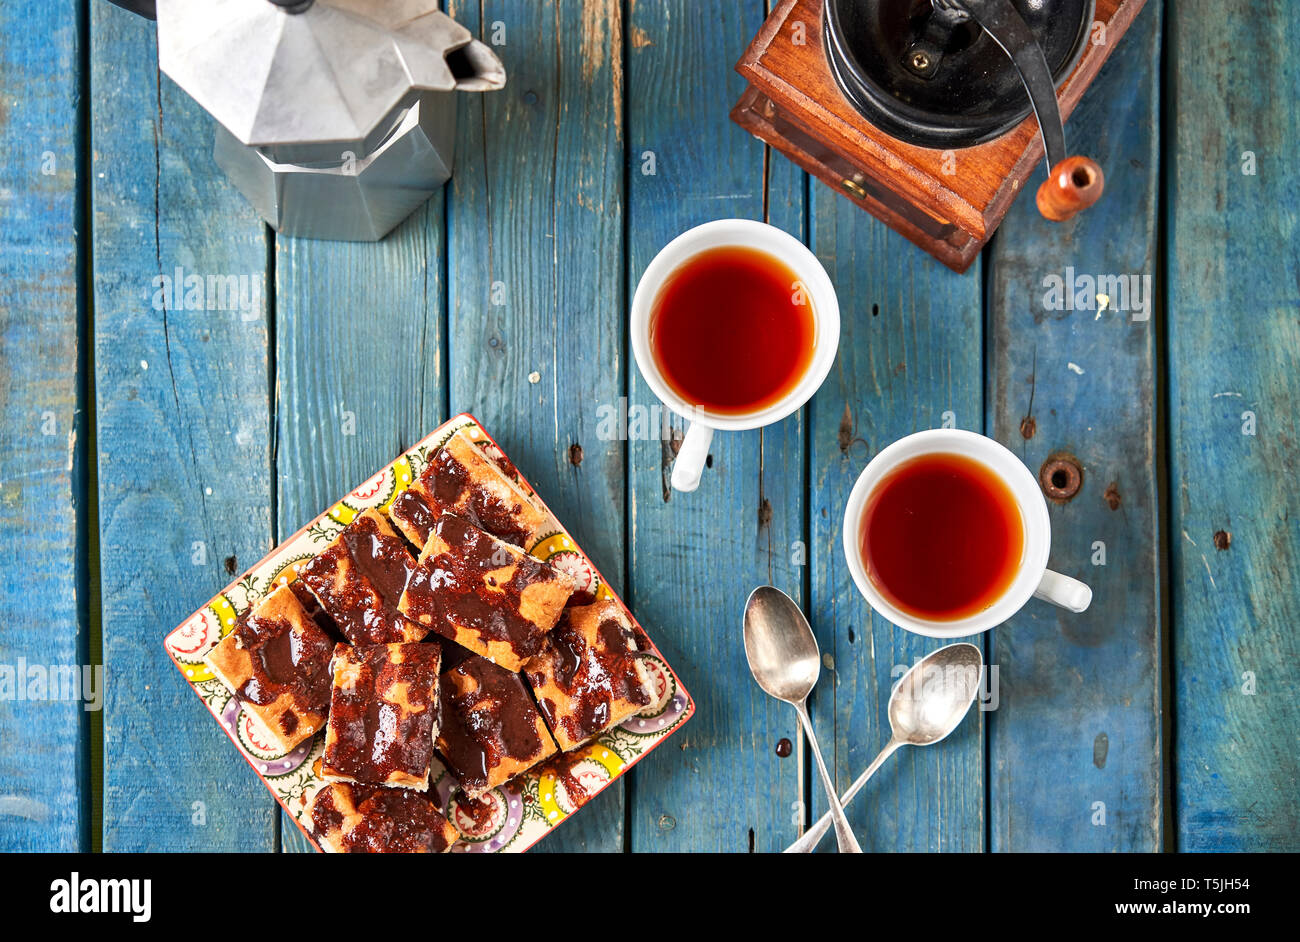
(282, 661)
(482, 726)
(311, 607)
(456, 589)
(592, 676)
(453, 489)
(393, 821)
(410, 509)
(374, 735)
(380, 565)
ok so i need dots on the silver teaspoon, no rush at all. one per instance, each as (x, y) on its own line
(784, 659)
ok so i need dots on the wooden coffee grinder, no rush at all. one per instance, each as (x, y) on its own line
(932, 114)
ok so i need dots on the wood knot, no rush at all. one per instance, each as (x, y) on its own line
(575, 454)
(1222, 539)
(844, 435)
(1111, 497)
(1028, 426)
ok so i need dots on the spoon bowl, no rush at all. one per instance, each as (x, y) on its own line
(779, 645)
(931, 699)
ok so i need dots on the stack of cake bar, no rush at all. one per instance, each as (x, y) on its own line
(472, 650)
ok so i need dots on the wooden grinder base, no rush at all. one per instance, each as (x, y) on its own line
(947, 202)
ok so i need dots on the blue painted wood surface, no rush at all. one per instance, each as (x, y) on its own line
(1234, 363)
(1074, 747)
(217, 433)
(182, 448)
(42, 496)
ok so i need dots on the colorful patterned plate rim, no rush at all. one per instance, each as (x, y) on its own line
(511, 818)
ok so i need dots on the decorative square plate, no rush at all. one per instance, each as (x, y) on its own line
(511, 818)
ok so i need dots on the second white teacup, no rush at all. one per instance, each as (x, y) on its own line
(1031, 578)
(812, 278)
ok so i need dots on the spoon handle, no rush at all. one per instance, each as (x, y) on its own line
(808, 843)
(843, 833)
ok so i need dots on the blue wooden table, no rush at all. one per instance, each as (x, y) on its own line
(150, 450)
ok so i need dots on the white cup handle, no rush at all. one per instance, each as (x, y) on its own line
(689, 464)
(1070, 594)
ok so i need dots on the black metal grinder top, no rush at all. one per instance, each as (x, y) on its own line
(954, 73)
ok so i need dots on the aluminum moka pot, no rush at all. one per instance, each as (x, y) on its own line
(336, 118)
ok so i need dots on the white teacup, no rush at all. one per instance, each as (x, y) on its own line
(690, 461)
(1033, 578)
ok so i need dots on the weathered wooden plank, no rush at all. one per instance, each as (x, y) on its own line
(910, 359)
(535, 335)
(44, 785)
(1234, 363)
(1075, 760)
(783, 527)
(695, 557)
(182, 426)
(359, 367)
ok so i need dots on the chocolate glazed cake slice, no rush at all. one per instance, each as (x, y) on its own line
(358, 580)
(361, 819)
(589, 676)
(383, 714)
(276, 662)
(484, 594)
(490, 729)
(460, 479)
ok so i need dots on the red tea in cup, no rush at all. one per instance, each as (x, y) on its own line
(732, 330)
(941, 537)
